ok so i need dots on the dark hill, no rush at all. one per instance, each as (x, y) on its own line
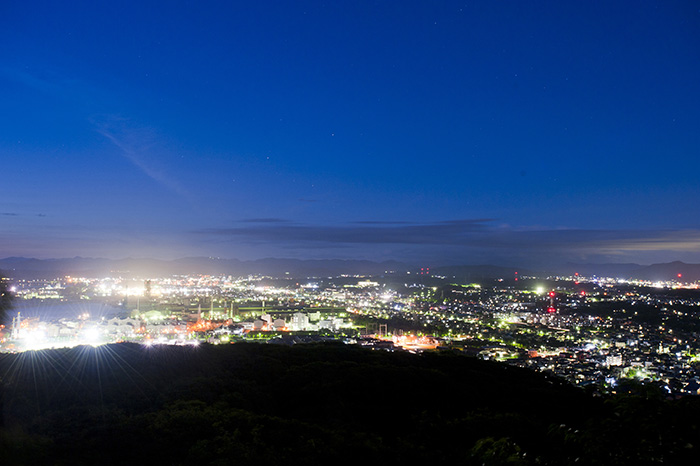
(466, 273)
(656, 272)
(316, 404)
(669, 271)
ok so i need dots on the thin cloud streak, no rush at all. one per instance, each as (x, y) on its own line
(15, 214)
(135, 144)
(452, 232)
(264, 220)
(475, 233)
(52, 84)
(381, 222)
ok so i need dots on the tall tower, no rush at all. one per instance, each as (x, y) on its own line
(552, 308)
(16, 322)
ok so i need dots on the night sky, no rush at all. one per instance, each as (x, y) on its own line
(505, 132)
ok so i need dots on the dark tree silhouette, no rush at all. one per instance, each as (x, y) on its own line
(5, 298)
(5, 302)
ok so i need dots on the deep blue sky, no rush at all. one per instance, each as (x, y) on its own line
(510, 132)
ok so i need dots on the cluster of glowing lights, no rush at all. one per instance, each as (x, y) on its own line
(170, 342)
(35, 339)
(414, 342)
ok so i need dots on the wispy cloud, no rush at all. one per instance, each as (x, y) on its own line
(264, 220)
(450, 232)
(15, 214)
(467, 238)
(138, 145)
(48, 83)
(56, 84)
(381, 222)
(600, 240)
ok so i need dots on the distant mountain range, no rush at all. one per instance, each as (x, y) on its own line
(655, 272)
(28, 268)
(20, 267)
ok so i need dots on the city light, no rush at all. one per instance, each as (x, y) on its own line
(506, 323)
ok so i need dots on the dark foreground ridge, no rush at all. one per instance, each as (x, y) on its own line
(317, 404)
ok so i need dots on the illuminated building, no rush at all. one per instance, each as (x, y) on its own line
(300, 321)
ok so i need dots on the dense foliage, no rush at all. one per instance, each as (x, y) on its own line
(5, 298)
(269, 404)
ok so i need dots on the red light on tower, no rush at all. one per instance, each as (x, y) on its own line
(551, 309)
(680, 275)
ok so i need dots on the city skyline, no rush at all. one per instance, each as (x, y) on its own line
(509, 133)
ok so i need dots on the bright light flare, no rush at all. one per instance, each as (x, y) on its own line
(91, 334)
(34, 339)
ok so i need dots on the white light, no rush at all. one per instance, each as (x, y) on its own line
(91, 334)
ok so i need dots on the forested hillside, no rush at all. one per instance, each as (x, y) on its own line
(269, 404)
